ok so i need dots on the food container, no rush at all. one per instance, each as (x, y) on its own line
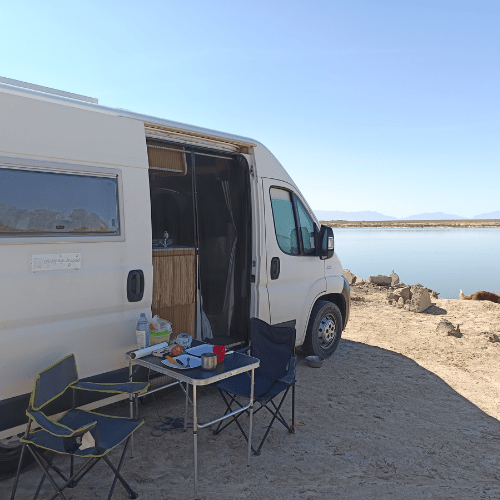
(209, 360)
(315, 361)
(184, 340)
(158, 337)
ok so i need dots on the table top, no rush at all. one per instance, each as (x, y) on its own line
(233, 364)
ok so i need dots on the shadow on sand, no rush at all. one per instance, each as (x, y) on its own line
(378, 425)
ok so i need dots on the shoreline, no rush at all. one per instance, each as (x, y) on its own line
(410, 224)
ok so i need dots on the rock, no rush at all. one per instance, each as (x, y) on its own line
(447, 327)
(405, 293)
(407, 306)
(420, 299)
(493, 338)
(394, 278)
(351, 278)
(434, 294)
(401, 302)
(359, 281)
(380, 280)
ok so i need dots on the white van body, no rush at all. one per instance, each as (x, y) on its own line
(84, 309)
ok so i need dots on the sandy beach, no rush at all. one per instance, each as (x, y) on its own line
(400, 411)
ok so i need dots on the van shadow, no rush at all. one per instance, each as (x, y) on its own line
(377, 425)
(396, 426)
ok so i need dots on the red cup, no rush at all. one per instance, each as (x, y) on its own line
(219, 350)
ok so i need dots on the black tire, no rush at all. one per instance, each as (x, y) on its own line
(324, 330)
(9, 460)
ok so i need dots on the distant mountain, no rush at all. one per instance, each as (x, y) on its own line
(434, 216)
(338, 215)
(369, 215)
(489, 215)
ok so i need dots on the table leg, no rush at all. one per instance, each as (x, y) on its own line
(195, 438)
(251, 421)
(131, 405)
(186, 408)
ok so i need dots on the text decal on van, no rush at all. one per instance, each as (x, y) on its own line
(53, 261)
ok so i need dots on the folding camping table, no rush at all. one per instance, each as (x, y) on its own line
(233, 364)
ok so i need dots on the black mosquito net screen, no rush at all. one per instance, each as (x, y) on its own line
(206, 205)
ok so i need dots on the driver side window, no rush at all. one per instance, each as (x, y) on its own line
(295, 229)
(306, 228)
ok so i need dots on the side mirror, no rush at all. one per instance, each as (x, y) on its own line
(326, 243)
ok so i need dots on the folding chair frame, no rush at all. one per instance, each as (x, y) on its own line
(74, 477)
(263, 401)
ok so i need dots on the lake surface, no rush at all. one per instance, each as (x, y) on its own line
(442, 259)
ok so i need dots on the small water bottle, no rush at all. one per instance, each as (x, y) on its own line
(142, 332)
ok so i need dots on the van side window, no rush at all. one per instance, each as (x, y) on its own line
(284, 221)
(41, 203)
(306, 228)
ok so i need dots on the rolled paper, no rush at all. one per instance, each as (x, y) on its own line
(140, 353)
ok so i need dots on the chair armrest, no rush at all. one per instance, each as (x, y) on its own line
(57, 429)
(124, 387)
(289, 378)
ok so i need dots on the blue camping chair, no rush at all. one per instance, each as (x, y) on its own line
(274, 347)
(77, 433)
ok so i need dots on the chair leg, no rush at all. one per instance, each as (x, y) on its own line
(75, 479)
(14, 488)
(228, 410)
(40, 463)
(72, 466)
(279, 416)
(39, 487)
(131, 493)
(275, 416)
(82, 470)
(292, 428)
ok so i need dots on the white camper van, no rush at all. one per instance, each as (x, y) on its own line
(106, 213)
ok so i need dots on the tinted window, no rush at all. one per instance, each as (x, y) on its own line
(284, 221)
(47, 204)
(306, 228)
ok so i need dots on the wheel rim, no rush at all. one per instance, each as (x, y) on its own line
(327, 332)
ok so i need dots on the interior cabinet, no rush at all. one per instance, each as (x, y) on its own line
(174, 290)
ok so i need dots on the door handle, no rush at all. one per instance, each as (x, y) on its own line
(135, 285)
(275, 268)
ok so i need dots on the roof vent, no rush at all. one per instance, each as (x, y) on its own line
(47, 90)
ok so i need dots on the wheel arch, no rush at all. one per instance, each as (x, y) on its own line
(340, 301)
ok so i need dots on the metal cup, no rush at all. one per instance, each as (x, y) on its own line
(209, 360)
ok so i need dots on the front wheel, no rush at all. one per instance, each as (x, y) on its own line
(324, 330)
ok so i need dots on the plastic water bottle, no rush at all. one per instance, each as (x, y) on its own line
(142, 332)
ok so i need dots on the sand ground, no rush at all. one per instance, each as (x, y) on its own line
(400, 411)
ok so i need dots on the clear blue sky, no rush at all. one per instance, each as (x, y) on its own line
(386, 105)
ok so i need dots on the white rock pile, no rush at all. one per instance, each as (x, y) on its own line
(415, 298)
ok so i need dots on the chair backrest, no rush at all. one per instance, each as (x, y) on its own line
(53, 381)
(273, 345)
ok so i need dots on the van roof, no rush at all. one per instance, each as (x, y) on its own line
(76, 100)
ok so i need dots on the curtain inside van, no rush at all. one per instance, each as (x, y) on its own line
(223, 240)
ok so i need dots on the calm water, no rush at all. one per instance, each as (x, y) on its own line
(446, 260)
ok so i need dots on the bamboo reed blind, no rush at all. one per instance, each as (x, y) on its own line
(166, 156)
(174, 278)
